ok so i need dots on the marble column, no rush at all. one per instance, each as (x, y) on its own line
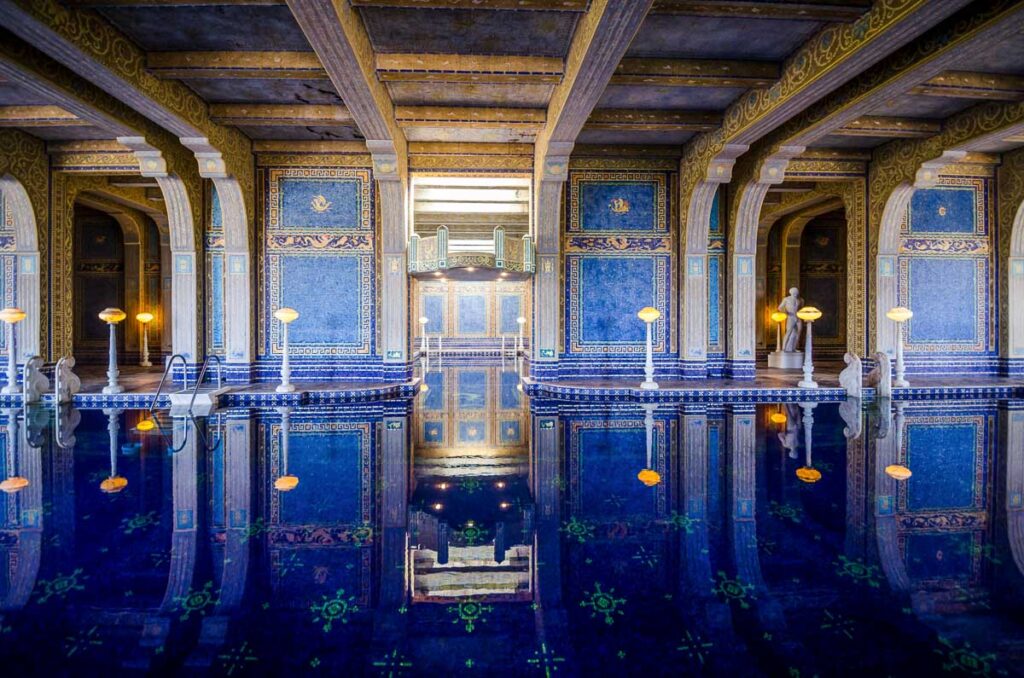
(392, 192)
(549, 185)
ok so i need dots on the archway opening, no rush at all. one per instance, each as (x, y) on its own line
(98, 283)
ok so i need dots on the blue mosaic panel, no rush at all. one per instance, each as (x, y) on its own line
(608, 464)
(320, 289)
(330, 471)
(943, 459)
(510, 432)
(938, 556)
(943, 210)
(335, 568)
(433, 311)
(944, 295)
(433, 431)
(472, 392)
(716, 219)
(216, 299)
(472, 431)
(509, 396)
(472, 314)
(609, 312)
(619, 206)
(326, 203)
(714, 299)
(509, 309)
(434, 400)
(216, 217)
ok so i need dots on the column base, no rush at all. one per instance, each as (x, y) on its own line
(808, 383)
(285, 388)
(111, 390)
(786, 360)
(900, 383)
(649, 385)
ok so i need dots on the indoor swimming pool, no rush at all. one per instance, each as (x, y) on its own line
(474, 530)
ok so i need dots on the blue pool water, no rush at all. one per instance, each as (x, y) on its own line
(472, 530)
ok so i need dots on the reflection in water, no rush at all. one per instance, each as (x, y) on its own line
(471, 529)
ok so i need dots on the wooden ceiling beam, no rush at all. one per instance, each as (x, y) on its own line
(538, 5)
(833, 11)
(695, 73)
(968, 85)
(640, 120)
(263, 115)
(466, 116)
(226, 65)
(468, 68)
(39, 116)
(182, 3)
(890, 128)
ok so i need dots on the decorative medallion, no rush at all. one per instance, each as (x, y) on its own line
(320, 204)
(619, 206)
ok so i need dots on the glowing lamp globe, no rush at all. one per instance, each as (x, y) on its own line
(424, 320)
(779, 317)
(12, 315)
(778, 418)
(900, 314)
(286, 483)
(424, 388)
(113, 484)
(521, 320)
(145, 426)
(286, 315)
(808, 474)
(145, 317)
(649, 477)
(648, 314)
(897, 472)
(112, 315)
(13, 484)
(808, 314)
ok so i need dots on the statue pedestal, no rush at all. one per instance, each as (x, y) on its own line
(786, 360)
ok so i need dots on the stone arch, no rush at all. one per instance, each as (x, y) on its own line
(18, 207)
(1015, 295)
(238, 315)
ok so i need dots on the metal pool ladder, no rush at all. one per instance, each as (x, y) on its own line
(178, 401)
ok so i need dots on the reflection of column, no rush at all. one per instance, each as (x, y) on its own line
(62, 483)
(185, 503)
(20, 559)
(549, 615)
(1011, 427)
(235, 476)
(887, 451)
(856, 496)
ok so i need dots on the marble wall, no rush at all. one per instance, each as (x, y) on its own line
(471, 316)
(947, 271)
(8, 263)
(619, 257)
(318, 254)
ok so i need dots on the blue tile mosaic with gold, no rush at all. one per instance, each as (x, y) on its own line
(214, 242)
(319, 254)
(471, 314)
(471, 408)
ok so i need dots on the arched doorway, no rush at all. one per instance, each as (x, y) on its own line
(98, 282)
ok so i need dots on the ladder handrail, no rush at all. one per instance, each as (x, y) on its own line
(202, 373)
(170, 364)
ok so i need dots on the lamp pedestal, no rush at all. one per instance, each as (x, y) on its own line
(786, 360)
(648, 382)
(807, 381)
(12, 362)
(145, 347)
(112, 371)
(899, 378)
(286, 386)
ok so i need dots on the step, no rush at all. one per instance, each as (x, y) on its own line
(207, 399)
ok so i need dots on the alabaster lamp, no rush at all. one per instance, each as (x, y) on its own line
(145, 318)
(808, 314)
(11, 316)
(112, 316)
(647, 475)
(13, 483)
(114, 483)
(423, 334)
(521, 321)
(899, 315)
(807, 473)
(779, 317)
(287, 316)
(649, 314)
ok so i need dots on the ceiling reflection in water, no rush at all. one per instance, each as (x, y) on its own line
(472, 529)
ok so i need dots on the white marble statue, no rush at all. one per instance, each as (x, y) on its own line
(852, 378)
(790, 305)
(34, 382)
(68, 383)
(790, 438)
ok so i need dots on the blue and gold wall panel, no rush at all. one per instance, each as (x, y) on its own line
(215, 276)
(8, 260)
(944, 509)
(471, 408)
(947, 274)
(716, 288)
(619, 257)
(319, 257)
(471, 316)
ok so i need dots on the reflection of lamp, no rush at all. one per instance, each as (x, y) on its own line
(285, 483)
(649, 314)
(11, 316)
(423, 334)
(778, 317)
(778, 417)
(145, 426)
(897, 472)
(13, 483)
(899, 315)
(287, 316)
(807, 473)
(648, 476)
(521, 321)
(145, 318)
(114, 483)
(112, 316)
(808, 314)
